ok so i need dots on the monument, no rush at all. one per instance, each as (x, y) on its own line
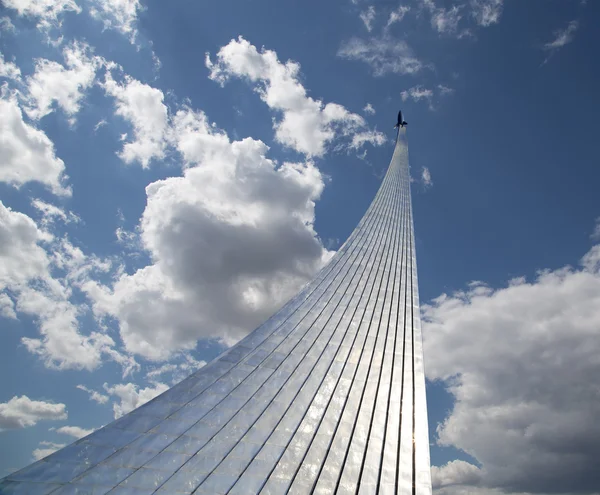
(327, 396)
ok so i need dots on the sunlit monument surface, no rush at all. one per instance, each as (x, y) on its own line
(327, 396)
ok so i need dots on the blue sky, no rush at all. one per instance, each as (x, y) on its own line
(172, 172)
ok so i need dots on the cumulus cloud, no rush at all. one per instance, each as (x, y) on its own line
(426, 177)
(307, 125)
(521, 371)
(61, 344)
(359, 139)
(368, 17)
(445, 90)
(421, 93)
(21, 256)
(94, 395)
(21, 412)
(383, 54)
(443, 20)
(486, 12)
(417, 93)
(369, 109)
(455, 473)
(231, 240)
(7, 307)
(64, 85)
(26, 153)
(118, 14)
(130, 396)
(397, 15)
(99, 124)
(562, 37)
(446, 20)
(6, 25)
(26, 272)
(52, 213)
(142, 106)
(47, 12)
(74, 431)
(9, 70)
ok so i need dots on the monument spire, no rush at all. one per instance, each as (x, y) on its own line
(326, 396)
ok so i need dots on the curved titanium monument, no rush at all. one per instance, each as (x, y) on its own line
(327, 396)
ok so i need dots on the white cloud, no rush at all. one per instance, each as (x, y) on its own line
(521, 371)
(26, 153)
(6, 25)
(21, 412)
(420, 93)
(360, 138)
(99, 124)
(95, 396)
(74, 431)
(426, 177)
(417, 93)
(446, 20)
(26, 272)
(130, 396)
(142, 106)
(455, 473)
(51, 213)
(368, 16)
(9, 70)
(562, 37)
(369, 109)
(48, 12)
(65, 85)
(397, 15)
(61, 345)
(383, 54)
(445, 90)
(252, 221)
(45, 449)
(307, 125)
(21, 257)
(118, 14)
(486, 12)
(7, 307)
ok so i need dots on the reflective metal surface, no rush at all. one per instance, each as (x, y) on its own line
(327, 396)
